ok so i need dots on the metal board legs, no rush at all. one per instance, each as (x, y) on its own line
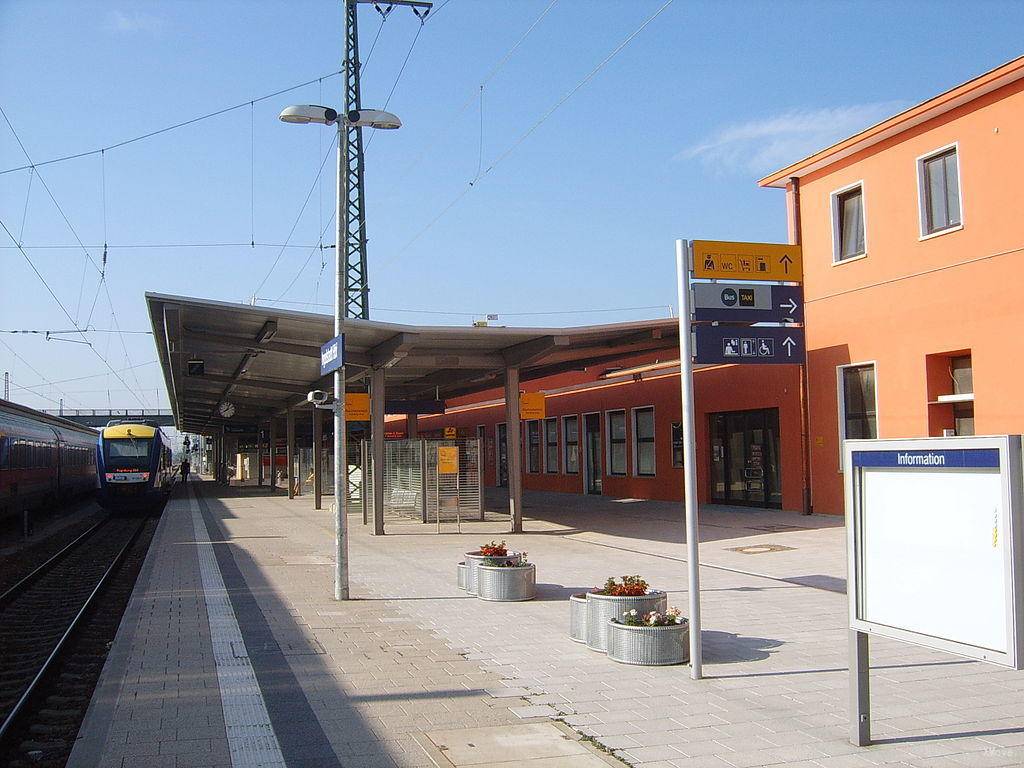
(860, 692)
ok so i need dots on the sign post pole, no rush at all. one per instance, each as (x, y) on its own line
(860, 690)
(689, 455)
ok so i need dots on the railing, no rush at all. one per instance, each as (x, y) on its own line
(128, 412)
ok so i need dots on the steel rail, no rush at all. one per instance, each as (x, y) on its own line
(24, 582)
(17, 708)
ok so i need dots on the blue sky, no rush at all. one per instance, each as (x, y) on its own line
(666, 141)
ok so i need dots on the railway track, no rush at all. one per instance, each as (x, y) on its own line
(55, 628)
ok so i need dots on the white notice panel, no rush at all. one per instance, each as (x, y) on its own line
(934, 542)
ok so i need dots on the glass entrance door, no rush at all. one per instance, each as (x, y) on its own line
(745, 458)
(502, 455)
(592, 448)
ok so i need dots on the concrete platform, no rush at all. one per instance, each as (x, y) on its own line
(233, 653)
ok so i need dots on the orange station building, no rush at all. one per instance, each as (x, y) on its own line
(913, 247)
(614, 430)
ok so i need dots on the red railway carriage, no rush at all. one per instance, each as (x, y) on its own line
(43, 459)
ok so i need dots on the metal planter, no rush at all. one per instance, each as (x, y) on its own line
(649, 646)
(509, 584)
(601, 608)
(463, 575)
(578, 617)
(473, 559)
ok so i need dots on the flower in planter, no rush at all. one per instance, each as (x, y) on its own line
(498, 562)
(629, 586)
(669, 618)
(494, 549)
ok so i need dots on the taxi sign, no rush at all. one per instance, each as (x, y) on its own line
(357, 406)
(531, 405)
(719, 260)
(447, 460)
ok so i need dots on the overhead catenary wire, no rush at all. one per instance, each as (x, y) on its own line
(302, 209)
(175, 126)
(528, 132)
(78, 239)
(463, 313)
(478, 94)
(46, 382)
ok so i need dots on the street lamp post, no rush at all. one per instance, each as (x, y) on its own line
(371, 118)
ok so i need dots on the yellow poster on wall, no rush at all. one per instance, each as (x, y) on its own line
(451, 433)
(357, 406)
(531, 405)
(447, 460)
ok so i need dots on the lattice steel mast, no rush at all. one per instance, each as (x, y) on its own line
(357, 289)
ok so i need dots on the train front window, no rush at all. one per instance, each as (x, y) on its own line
(127, 448)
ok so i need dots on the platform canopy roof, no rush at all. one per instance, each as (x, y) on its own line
(264, 360)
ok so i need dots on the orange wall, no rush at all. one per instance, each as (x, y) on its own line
(723, 388)
(882, 308)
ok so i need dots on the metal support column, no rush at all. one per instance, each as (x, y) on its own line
(290, 451)
(259, 455)
(377, 447)
(515, 453)
(423, 477)
(860, 691)
(412, 430)
(273, 454)
(318, 457)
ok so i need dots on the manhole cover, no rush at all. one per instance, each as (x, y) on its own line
(759, 549)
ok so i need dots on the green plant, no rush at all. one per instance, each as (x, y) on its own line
(628, 586)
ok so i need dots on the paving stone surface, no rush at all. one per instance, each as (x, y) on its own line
(414, 655)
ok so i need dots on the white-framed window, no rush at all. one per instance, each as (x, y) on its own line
(644, 464)
(858, 403)
(551, 445)
(938, 191)
(571, 439)
(616, 443)
(849, 231)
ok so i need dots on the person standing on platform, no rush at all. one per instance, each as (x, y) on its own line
(185, 469)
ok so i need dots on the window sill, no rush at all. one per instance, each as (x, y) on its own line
(847, 261)
(645, 477)
(940, 233)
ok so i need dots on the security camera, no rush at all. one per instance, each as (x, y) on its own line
(318, 397)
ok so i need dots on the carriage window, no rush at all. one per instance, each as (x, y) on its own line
(127, 448)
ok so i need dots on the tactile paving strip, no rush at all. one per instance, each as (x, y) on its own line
(251, 738)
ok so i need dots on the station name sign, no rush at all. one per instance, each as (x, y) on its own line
(332, 355)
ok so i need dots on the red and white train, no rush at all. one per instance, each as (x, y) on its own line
(43, 459)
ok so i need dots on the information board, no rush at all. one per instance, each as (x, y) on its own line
(447, 460)
(934, 542)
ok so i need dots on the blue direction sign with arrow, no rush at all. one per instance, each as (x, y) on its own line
(755, 345)
(748, 303)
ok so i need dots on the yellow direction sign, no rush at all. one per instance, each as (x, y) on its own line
(447, 460)
(531, 405)
(747, 261)
(357, 406)
(451, 433)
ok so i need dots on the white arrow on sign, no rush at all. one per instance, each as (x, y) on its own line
(791, 305)
(788, 343)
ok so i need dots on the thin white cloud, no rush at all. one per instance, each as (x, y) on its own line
(131, 22)
(762, 145)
